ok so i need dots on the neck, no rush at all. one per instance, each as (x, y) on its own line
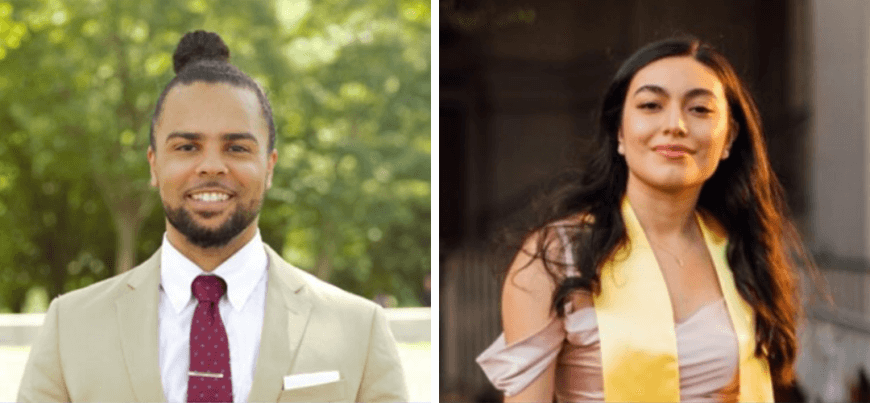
(663, 214)
(209, 259)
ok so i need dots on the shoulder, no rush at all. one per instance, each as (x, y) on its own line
(334, 297)
(323, 295)
(102, 294)
(560, 234)
(551, 247)
(544, 261)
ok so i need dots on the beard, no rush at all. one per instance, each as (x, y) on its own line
(241, 218)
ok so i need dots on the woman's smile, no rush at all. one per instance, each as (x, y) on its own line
(672, 151)
(675, 125)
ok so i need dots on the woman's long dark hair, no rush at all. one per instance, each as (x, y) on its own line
(743, 194)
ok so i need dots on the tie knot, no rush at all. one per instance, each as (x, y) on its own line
(208, 288)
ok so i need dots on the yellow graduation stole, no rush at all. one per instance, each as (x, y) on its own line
(637, 329)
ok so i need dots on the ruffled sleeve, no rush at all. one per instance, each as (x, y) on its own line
(512, 368)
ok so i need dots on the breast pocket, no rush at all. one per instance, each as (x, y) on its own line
(330, 392)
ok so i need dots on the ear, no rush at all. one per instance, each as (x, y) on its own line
(734, 128)
(151, 162)
(270, 167)
(620, 148)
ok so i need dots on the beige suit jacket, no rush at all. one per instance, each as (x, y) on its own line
(100, 343)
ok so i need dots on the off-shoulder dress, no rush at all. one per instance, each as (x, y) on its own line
(707, 353)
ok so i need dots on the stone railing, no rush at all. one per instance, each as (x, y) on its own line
(409, 325)
(835, 337)
(19, 329)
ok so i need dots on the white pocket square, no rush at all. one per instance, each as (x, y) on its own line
(311, 379)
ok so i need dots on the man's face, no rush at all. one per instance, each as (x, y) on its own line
(211, 163)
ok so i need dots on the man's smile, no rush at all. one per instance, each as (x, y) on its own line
(208, 203)
(210, 197)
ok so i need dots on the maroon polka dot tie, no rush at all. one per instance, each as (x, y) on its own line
(209, 375)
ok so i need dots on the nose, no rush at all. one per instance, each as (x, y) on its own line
(211, 163)
(675, 124)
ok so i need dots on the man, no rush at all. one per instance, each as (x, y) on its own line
(214, 314)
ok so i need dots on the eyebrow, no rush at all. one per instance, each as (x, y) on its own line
(226, 137)
(661, 91)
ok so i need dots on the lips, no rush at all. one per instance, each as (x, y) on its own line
(672, 151)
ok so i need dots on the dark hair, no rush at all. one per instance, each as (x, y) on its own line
(203, 56)
(743, 194)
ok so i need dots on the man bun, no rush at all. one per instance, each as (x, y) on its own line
(199, 45)
(203, 56)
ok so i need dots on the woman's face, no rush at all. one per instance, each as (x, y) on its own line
(675, 124)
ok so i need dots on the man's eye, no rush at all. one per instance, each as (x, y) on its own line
(239, 149)
(186, 147)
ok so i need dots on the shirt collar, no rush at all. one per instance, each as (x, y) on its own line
(242, 271)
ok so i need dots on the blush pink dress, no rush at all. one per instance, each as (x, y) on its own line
(707, 353)
(706, 345)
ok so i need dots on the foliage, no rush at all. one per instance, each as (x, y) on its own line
(350, 85)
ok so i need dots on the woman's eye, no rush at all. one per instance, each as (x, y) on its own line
(701, 110)
(651, 106)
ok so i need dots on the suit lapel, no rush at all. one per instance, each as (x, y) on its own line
(137, 320)
(284, 321)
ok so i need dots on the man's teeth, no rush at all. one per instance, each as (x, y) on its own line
(211, 197)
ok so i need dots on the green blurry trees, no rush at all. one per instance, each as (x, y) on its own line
(349, 83)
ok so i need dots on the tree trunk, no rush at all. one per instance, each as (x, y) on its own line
(125, 253)
(323, 267)
(57, 263)
(17, 300)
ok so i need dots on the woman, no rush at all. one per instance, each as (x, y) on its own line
(665, 273)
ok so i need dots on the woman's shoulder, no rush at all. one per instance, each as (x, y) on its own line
(547, 253)
(545, 259)
(562, 232)
(562, 236)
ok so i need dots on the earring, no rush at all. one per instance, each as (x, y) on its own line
(725, 154)
(620, 149)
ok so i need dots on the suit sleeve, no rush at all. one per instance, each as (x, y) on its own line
(383, 378)
(43, 377)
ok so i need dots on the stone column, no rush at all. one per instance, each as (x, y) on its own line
(839, 213)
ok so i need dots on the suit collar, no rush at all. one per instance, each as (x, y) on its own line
(242, 271)
(137, 319)
(288, 308)
(290, 282)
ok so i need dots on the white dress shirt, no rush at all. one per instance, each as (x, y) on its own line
(241, 309)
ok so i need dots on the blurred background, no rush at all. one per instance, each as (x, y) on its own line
(519, 84)
(350, 86)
